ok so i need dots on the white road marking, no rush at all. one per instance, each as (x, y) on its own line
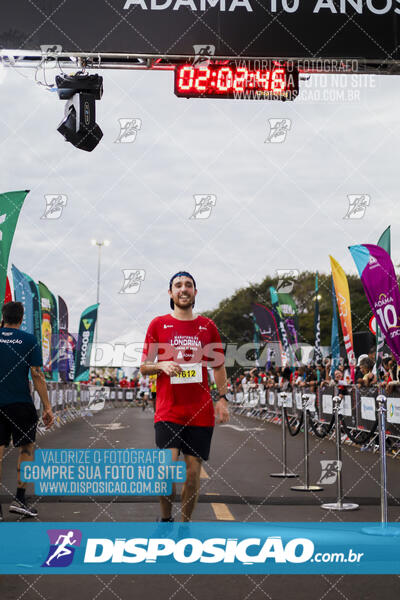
(236, 428)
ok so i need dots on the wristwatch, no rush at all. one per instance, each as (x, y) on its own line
(223, 396)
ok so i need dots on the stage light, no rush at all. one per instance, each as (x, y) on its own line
(79, 125)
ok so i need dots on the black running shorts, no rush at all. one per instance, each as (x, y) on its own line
(189, 439)
(18, 421)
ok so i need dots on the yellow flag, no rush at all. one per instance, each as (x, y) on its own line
(343, 300)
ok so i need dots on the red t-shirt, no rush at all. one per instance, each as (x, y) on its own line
(196, 341)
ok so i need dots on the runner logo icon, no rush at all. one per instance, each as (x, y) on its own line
(358, 204)
(55, 204)
(278, 130)
(204, 204)
(63, 543)
(329, 471)
(128, 129)
(132, 280)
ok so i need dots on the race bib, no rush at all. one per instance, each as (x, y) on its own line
(191, 373)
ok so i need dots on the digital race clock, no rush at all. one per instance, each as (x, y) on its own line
(235, 81)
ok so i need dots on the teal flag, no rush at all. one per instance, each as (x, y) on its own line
(85, 340)
(385, 243)
(22, 293)
(37, 313)
(10, 207)
(384, 240)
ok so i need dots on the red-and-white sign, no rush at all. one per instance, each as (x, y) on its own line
(372, 325)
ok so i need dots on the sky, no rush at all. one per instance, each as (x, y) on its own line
(277, 205)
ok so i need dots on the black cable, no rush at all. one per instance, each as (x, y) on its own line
(294, 432)
(360, 438)
(321, 430)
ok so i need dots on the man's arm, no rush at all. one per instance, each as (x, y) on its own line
(221, 407)
(149, 368)
(40, 386)
(169, 367)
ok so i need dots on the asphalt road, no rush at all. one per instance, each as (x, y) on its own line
(235, 486)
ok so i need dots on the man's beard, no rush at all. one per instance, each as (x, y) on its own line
(185, 306)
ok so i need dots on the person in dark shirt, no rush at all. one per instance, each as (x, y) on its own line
(20, 353)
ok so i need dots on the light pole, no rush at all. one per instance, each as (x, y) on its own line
(99, 244)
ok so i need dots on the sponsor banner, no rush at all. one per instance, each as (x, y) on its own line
(37, 313)
(343, 300)
(268, 327)
(311, 403)
(345, 407)
(262, 395)
(132, 472)
(327, 404)
(271, 398)
(10, 207)
(381, 288)
(256, 340)
(335, 345)
(287, 305)
(292, 331)
(287, 356)
(385, 243)
(63, 358)
(87, 326)
(368, 408)
(274, 28)
(199, 548)
(71, 348)
(22, 293)
(49, 317)
(393, 410)
(62, 314)
(63, 364)
(299, 402)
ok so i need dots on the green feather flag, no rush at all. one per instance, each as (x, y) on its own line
(10, 207)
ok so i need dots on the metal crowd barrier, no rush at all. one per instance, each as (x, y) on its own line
(72, 401)
(358, 409)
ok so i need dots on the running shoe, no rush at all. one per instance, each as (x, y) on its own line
(21, 508)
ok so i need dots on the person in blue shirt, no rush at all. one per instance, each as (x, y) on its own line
(20, 353)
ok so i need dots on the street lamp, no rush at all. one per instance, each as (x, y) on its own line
(99, 244)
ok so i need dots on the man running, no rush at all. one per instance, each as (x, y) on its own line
(19, 352)
(177, 348)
